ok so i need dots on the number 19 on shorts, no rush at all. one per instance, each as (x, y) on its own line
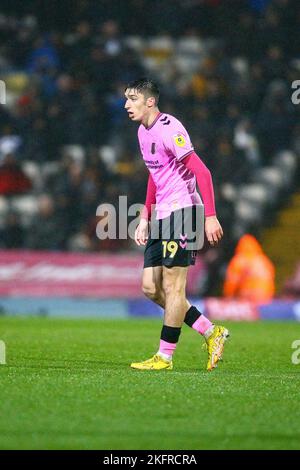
(169, 248)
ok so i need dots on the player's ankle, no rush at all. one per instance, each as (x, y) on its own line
(209, 331)
(164, 356)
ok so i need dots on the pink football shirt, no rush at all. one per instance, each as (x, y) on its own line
(164, 145)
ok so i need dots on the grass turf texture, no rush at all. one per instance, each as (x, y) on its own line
(67, 385)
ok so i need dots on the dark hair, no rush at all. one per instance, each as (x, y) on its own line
(145, 86)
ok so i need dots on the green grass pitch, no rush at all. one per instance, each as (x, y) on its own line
(67, 385)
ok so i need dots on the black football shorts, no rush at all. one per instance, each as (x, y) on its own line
(175, 240)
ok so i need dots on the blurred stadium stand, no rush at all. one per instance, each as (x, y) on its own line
(225, 68)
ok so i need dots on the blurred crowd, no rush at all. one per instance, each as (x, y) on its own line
(225, 69)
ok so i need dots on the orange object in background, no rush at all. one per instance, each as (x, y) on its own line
(250, 274)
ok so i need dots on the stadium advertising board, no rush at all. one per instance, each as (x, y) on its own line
(57, 274)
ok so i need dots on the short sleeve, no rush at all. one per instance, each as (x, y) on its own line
(178, 141)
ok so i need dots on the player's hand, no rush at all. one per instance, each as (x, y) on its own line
(141, 233)
(213, 230)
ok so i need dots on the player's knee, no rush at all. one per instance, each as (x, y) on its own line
(150, 291)
(172, 287)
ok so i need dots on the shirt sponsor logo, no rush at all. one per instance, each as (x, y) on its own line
(153, 164)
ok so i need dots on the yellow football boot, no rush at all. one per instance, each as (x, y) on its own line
(155, 363)
(215, 346)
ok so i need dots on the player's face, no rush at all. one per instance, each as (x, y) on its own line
(136, 105)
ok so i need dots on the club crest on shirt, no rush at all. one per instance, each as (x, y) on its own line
(179, 140)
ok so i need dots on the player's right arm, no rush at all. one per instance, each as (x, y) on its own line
(141, 232)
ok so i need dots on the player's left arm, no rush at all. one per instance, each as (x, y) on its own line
(178, 142)
(213, 229)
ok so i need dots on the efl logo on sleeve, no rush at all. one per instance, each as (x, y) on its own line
(179, 140)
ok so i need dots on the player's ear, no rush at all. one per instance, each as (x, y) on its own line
(150, 101)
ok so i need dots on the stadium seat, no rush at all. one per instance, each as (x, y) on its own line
(160, 44)
(151, 64)
(248, 211)
(240, 65)
(77, 152)
(256, 193)
(157, 51)
(272, 178)
(108, 155)
(26, 206)
(33, 171)
(228, 191)
(190, 45)
(286, 163)
(135, 43)
(49, 169)
(190, 53)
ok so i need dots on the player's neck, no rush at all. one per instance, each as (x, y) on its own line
(150, 118)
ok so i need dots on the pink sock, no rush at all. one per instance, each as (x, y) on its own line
(202, 324)
(167, 349)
